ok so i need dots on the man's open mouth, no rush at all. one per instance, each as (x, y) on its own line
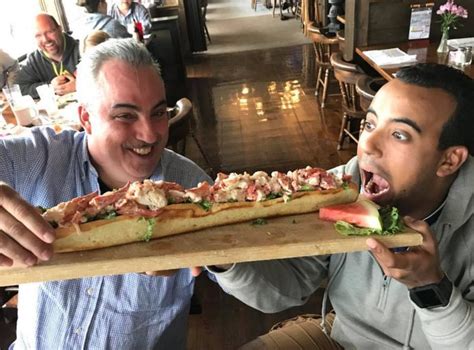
(142, 151)
(374, 185)
(50, 46)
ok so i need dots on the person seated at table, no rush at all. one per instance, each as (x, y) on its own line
(93, 19)
(93, 39)
(54, 62)
(123, 110)
(8, 68)
(415, 152)
(128, 12)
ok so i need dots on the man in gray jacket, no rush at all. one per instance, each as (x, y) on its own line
(93, 19)
(54, 62)
(415, 153)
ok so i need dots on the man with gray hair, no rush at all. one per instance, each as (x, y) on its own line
(123, 113)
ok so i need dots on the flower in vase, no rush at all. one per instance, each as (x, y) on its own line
(450, 14)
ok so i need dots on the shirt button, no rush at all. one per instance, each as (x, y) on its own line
(77, 330)
(90, 291)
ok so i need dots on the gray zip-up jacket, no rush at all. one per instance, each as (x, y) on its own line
(38, 69)
(373, 311)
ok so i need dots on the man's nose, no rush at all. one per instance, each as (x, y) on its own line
(371, 142)
(147, 132)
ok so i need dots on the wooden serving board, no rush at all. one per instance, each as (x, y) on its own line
(283, 237)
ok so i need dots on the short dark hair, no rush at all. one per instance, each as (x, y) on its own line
(90, 5)
(458, 130)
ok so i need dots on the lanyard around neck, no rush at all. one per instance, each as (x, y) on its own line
(61, 70)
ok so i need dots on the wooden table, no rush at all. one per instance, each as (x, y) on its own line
(283, 237)
(425, 53)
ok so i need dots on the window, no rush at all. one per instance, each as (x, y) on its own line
(16, 27)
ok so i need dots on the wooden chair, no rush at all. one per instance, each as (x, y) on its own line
(323, 48)
(180, 128)
(367, 87)
(347, 75)
(203, 4)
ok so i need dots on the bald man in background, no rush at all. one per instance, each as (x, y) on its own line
(54, 62)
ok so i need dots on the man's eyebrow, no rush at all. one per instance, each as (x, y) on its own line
(160, 104)
(137, 108)
(409, 122)
(371, 110)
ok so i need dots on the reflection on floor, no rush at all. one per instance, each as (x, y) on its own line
(257, 111)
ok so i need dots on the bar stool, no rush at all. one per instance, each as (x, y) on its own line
(367, 87)
(347, 74)
(323, 47)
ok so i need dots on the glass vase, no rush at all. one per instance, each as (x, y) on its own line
(443, 44)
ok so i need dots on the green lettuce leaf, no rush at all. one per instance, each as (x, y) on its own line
(392, 223)
(346, 229)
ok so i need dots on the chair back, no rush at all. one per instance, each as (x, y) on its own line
(323, 48)
(341, 39)
(367, 87)
(347, 75)
(179, 125)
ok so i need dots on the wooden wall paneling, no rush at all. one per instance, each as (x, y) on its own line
(388, 22)
(349, 29)
(370, 22)
(361, 20)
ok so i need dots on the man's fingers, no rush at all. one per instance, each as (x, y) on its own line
(69, 76)
(422, 227)
(386, 258)
(12, 250)
(195, 271)
(4, 261)
(13, 229)
(16, 207)
(383, 255)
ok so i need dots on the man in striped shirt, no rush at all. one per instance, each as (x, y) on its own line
(123, 113)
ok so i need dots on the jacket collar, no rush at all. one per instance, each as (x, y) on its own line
(459, 206)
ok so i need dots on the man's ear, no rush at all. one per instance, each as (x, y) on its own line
(84, 117)
(453, 158)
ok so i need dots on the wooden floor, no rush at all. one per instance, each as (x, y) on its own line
(257, 111)
(252, 111)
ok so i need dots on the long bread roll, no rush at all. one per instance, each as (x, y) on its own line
(180, 218)
(171, 219)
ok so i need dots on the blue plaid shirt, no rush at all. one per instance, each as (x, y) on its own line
(130, 311)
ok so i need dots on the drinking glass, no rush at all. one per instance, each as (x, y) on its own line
(12, 93)
(48, 99)
(25, 110)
